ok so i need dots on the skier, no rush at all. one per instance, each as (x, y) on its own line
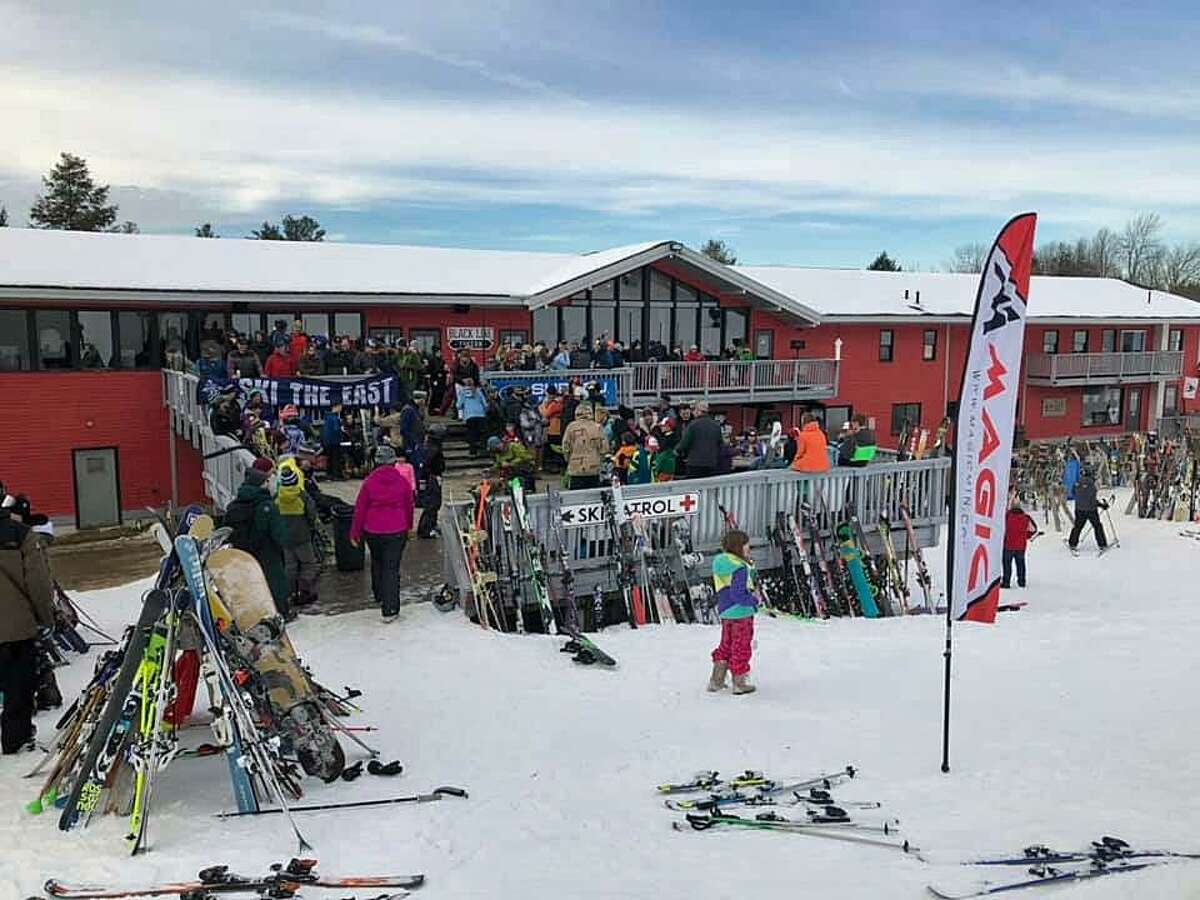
(383, 514)
(26, 607)
(298, 511)
(1019, 528)
(472, 409)
(701, 444)
(584, 447)
(430, 484)
(811, 449)
(1086, 510)
(259, 529)
(331, 438)
(737, 601)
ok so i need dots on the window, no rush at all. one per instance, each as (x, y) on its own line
(1079, 341)
(659, 321)
(135, 332)
(212, 327)
(630, 285)
(629, 323)
(835, 418)
(1171, 400)
(603, 319)
(1133, 341)
(514, 338)
(887, 347)
(1108, 340)
(687, 322)
(660, 287)
(173, 333)
(1175, 339)
(426, 338)
(316, 324)
(602, 291)
(929, 345)
(1101, 406)
(245, 324)
(710, 329)
(764, 344)
(545, 325)
(94, 349)
(735, 328)
(1050, 341)
(53, 330)
(350, 324)
(905, 414)
(574, 324)
(14, 340)
(389, 335)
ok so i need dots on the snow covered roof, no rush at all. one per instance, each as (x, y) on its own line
(837, 293)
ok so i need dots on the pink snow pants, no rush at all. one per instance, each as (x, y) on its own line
(735, 647)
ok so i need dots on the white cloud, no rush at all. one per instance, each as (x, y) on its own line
(245, 149)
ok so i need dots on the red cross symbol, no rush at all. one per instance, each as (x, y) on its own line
(687, 503)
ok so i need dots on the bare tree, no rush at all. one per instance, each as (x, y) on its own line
(1104, 253)
(967, 258)
(1139, 245)
(720, 251)
(1179, 267)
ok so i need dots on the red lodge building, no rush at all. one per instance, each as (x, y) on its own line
(1102, 357)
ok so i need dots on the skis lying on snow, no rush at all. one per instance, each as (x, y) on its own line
(835, 828)
(435, 794)
(753, 790)
(1107, 856)
(219, 880)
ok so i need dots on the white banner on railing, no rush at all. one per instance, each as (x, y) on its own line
(582, 514)
(986, 418)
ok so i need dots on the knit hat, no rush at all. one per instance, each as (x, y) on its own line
(384, 456)
(583, 411)
(257, 473)
(289, 476)
(493, 442)
(652, 444)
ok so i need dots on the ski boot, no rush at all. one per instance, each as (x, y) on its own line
(716, 681)
(742, 686)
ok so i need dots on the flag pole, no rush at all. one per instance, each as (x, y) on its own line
(948, 652)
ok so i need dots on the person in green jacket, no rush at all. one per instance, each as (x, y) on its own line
(260, 530)
(409, 364)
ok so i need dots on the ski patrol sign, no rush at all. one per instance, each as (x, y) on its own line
(667, 507)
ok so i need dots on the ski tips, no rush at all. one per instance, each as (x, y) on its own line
(451, 791)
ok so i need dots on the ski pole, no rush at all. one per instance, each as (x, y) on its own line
(436, 794)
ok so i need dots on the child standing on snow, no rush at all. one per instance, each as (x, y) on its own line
(737, 601)
(1018, 529)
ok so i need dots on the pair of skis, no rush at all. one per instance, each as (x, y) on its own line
(283, 881)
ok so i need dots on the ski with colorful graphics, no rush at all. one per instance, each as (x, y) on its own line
(585, 650)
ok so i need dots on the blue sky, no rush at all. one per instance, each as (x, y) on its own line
(812, 134)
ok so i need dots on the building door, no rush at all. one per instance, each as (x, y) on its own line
(97, 494)
(1133, 409)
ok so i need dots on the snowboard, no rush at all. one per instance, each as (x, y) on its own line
(245, 601)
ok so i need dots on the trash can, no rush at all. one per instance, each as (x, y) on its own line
(348, 557)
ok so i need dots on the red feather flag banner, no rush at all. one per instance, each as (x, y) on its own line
(984, 426)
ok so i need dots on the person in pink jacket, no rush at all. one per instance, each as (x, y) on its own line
(384, 514)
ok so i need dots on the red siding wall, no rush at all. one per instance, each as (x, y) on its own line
(47, 415)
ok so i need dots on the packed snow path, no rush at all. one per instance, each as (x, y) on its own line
(1074, 717)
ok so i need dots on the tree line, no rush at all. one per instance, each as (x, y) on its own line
(71, 200)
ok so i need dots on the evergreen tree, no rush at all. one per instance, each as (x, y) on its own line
(304, 228)
(206, 231)
(3, 217)
(268, 232)
(720, 251)
(71, 200)
(128, 227)
(884, 263)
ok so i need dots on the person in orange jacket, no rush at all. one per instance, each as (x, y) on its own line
(812, 453)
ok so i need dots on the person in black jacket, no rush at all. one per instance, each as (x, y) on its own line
(701, 444)
(429, 485)
(26, 606)
(1087, 508)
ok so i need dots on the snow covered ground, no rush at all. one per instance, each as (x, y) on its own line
(1074, 717)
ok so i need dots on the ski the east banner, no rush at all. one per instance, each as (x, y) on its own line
(309, 393)
(987, 409)
(987, 406)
